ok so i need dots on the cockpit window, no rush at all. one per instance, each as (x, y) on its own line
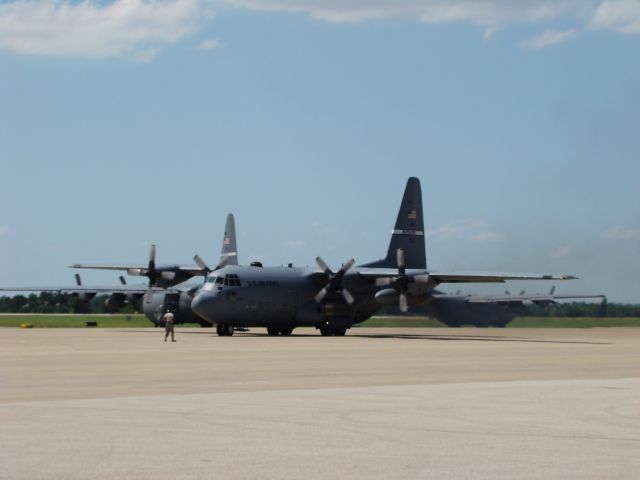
(212, 279)
(219, 280)
(232, 280)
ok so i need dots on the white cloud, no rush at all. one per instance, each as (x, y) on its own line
(561, 251)
(210, 44)
(488, 237)
(139, 29)
(619, 233)
(548, 38)
(620, 15)
(486, 13)
(125, 28)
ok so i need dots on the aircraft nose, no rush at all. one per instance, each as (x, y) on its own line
(202, 303)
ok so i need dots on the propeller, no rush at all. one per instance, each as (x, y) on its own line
(334, 281)
(151, 273)
(402, 281)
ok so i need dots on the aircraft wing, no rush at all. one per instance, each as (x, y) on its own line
(132, 269)
(508, 299)
(462, 277)
(491, 277)
(514, 299)
(127, 289)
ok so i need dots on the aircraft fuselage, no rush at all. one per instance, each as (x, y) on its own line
(278, 296)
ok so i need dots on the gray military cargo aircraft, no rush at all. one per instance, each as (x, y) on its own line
(456, 309)
(160, 295)
(283, 298)
(451, 309)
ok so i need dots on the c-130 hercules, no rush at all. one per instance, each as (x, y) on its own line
(283, 298)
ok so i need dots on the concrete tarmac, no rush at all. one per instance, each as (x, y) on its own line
(378, 403)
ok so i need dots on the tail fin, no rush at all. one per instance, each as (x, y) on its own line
(229, 247)
(408, 232)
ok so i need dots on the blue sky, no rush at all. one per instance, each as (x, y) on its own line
(130, 122)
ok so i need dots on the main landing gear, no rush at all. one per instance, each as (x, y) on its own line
(327, 331)
(224, 330)
(274, 331)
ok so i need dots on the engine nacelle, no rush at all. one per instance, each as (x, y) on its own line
(178, 303)
(388, 296)
(115, 301)
(85, 296)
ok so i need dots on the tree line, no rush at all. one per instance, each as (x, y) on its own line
(53, 302)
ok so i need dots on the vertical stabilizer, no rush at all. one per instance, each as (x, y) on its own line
(229, 247)
(408, 232)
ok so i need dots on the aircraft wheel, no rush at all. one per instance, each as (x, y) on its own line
(272, 331)
(228, 330)
(286, 331)
(340, 332)
(324, 331)
(219, 330)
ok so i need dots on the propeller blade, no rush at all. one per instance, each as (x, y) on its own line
(349, 263)
(347, 296)
(321, 294)
(400, 257)
(152, 254)
(383, 282)
(553, 290)
(223, 261)
(122, 280)
(323, 265)
(147, 296)
(201, 263)
(404, 306)
(151, 272)
(78, 281)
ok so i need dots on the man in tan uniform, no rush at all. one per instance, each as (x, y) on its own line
(168, 325)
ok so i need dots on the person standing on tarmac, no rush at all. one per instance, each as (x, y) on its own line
(168, 325)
